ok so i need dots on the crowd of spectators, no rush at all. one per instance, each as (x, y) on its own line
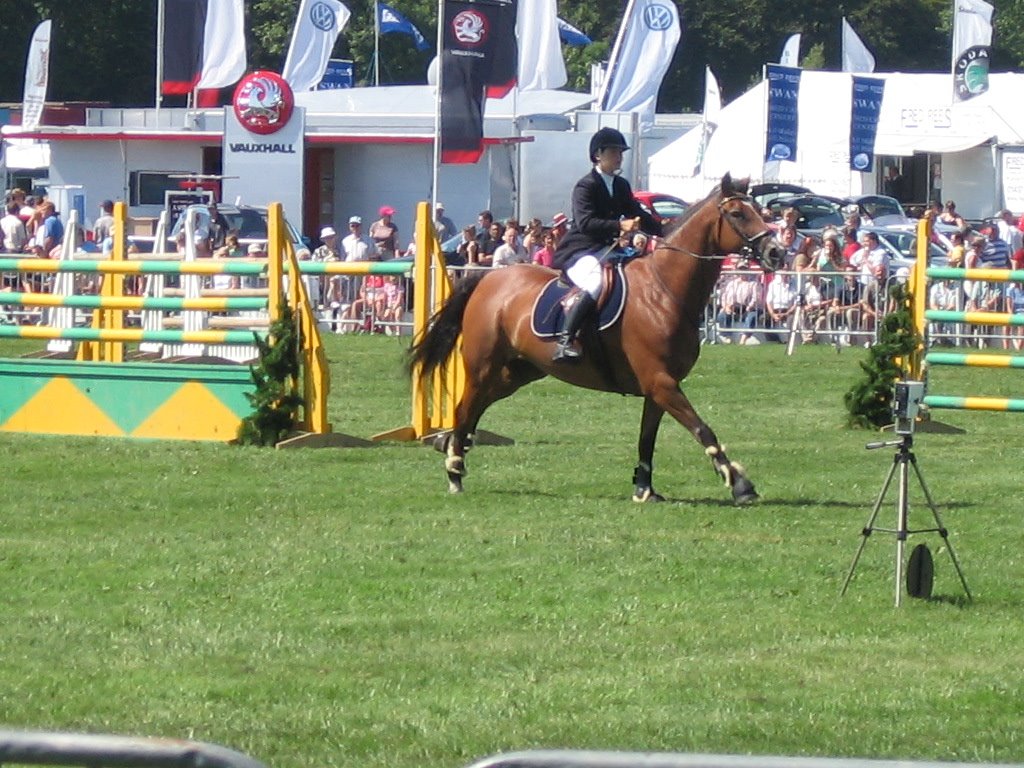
(834, 285)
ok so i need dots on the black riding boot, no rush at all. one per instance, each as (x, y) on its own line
(566, 351)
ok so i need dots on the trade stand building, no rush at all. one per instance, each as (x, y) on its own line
(328, 155)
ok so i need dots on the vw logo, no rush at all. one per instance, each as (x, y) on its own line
(658, 17)
(322, 16)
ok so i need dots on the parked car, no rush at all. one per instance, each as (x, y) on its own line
(815, 212)
(878, 210)
(661, 206)
(249, 221)
(762, 193)
(900, 240)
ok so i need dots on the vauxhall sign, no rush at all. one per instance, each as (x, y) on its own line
(263, 144)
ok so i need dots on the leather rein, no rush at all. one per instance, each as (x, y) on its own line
(749, 242)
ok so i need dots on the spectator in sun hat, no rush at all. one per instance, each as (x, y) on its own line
(559, 226)
(328, 250)
(443, 226)
(384, 233)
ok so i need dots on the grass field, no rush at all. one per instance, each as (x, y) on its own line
(338, 608)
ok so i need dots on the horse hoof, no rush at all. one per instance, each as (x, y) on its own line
(454, 484)
(745, 496)
(644, 495)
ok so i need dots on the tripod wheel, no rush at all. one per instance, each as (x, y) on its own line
(920, 572)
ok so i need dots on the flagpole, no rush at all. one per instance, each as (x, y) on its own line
(376, 42)
(159, 53)
(435, 180)
(764, 119)
(842, 44)
(614, 58)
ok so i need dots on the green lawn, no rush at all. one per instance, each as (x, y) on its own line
(338, 608)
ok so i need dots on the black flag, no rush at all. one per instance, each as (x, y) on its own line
(479, 54)
(184, 29)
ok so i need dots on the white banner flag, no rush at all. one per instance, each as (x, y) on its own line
(712, 108)
(224, 58)
(791, 52)
(316, 29)
(643, 51)
(972, 41)
(856, 56)
(37, 73)
(540, 50)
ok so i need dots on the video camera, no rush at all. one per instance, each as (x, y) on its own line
(906, 402)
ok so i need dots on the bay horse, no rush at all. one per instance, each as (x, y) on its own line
(646, 353)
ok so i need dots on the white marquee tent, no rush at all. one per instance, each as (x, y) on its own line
(981, 142)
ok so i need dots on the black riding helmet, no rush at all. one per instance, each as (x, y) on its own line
(604, 138)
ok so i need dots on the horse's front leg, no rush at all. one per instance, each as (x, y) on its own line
(650, 420)
(667, 395)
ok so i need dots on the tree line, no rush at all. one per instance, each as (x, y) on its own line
(105, 50)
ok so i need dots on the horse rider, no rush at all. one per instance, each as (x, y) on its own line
(605, 214)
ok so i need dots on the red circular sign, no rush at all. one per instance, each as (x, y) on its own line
(263, 102)
(471, 28)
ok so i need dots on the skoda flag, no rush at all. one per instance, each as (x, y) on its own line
(864, 112)
(972, 41)
(783, 95)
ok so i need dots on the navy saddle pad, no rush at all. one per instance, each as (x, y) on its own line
(547, 309)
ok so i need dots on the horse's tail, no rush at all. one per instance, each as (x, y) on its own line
(434, 347)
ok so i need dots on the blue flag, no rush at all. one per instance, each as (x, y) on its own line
(390, 20)
(783, 94)
(866, 107)
(570, 35)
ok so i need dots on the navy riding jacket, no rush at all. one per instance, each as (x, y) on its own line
(596, 216)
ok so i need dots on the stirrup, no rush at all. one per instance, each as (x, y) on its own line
(566, 352)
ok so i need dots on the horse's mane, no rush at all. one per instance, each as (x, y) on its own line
(691, 211)
(714, 194)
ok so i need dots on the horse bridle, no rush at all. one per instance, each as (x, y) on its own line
(749, 243)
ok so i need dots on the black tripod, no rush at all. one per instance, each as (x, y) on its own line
(903, 459)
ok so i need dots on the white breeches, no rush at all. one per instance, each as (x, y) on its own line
(586, 273)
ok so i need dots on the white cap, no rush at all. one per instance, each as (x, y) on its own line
(327, 232)
(255, 248)
(355, 220)
(439, 205)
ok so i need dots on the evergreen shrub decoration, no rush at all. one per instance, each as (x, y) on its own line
(274, 402)
(869, 402)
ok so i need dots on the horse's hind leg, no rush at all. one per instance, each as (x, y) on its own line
(455, 443)
(650, 421)
(667, 395)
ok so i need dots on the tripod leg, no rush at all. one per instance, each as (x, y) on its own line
(794, 329)
(902, 518)
(869, 527)
(942, 529)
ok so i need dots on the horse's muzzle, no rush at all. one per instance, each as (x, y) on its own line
(769, 251)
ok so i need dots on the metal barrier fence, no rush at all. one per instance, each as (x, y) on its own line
(359, 304)
(96, 751)
(99, 751)
(594, 759)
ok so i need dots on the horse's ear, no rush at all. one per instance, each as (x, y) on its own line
(741, 186)
(727, 184)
